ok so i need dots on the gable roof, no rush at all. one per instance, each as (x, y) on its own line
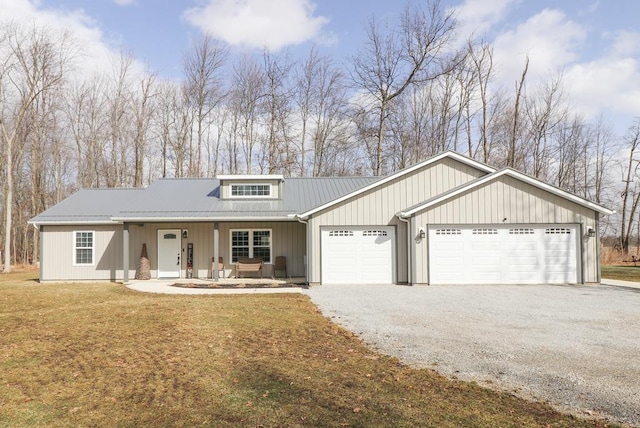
(388, 178)
(494, 176)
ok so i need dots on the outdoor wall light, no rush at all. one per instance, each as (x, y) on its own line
(591, 232)
(421, 233)
(185, 233)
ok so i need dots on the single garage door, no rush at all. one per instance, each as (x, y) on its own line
(357, 255)
(529, 254)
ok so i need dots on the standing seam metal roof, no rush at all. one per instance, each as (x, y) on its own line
(195, 199)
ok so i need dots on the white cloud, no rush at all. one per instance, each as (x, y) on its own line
(555, 45)
(605, 85)
(478, 16)
(549, 39)
(124, 2)
(625, 43)
(95, 53)
(258, 23)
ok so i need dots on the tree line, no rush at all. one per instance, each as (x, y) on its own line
(412, 90)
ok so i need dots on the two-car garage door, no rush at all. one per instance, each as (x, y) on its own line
(358, 255)
(503, 255)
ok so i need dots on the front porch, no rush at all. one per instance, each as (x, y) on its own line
(185, 250)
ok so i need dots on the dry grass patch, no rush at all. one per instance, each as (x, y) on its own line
(623, 273)
(96, 354)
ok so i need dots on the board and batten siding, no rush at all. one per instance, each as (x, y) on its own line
(379, 206)
(58, 254)
(288, 239)
(508, 201)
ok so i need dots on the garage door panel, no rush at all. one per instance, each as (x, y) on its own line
(501, 254)
(485, 246)
(357, 255)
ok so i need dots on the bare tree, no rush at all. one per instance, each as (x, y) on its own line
(515, 130)
(204, 90)
(276, 101)
(84, 109)
(392, 60)
(33, 62)
(247, 89)
(321, 99)
(631, 192)
(143, 110)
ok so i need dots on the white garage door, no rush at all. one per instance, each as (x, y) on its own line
(504, 255)
(362, 255)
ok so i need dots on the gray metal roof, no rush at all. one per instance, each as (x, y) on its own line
(195, 199)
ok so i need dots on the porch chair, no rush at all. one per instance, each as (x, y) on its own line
(220, 267)
(280, 265)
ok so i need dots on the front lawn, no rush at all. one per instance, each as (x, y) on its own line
(100, 354)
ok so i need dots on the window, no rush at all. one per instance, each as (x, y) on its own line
(251, 243)
(341, 233)
(83, 247)
(250, 190)
(448, 232)
(485, 231)
(374, 233)
(521, 231)
(557, 231)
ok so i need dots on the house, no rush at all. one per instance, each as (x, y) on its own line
(447, 220)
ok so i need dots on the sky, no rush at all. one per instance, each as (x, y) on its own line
(594, 44)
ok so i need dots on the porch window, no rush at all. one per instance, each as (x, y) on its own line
(250, 190)
(251, 243)
(83, 247)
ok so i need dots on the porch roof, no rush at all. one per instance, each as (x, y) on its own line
(173, 200)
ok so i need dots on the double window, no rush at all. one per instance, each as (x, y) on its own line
(250, 190)
(83, 247)
(251, 243)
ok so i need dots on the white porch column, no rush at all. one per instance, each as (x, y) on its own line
(216, 252)
(125, 253)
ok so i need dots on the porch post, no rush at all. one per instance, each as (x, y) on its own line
(125, 252)
(216, 252)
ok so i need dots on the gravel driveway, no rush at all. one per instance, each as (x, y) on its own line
(577, 347)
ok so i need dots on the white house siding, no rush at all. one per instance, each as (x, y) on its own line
(519, 203)
(288, 240)
(57, 249)
(379, 206)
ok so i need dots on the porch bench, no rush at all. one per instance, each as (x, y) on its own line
(253, 265)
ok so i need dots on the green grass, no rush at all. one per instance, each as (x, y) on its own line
(100, 354)
(624, 273)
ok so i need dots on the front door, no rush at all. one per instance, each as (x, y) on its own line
(169, 250)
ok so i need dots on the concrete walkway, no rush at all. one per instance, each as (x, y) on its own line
(619, 283)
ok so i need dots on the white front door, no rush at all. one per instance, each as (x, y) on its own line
(496, 254)
(358, 255)
(169, 251)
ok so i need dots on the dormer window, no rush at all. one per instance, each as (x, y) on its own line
(250, 190)
(266, 187)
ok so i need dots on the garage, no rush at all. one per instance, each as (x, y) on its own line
(358, 255)
(496, 254)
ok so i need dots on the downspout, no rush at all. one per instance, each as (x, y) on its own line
(306, 245)
(409, 255)
(40, 229)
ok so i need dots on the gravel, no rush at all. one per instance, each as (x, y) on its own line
(576, 347)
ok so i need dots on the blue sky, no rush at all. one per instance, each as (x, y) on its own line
(594, 44)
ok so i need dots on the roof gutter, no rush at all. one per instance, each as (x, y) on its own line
(194, 219)
(307, 243)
